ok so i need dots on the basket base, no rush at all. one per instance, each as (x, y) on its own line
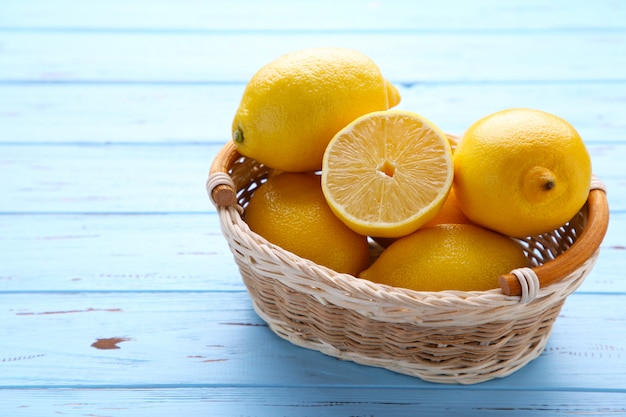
(444, 363)
(494, 337)
(446, 337)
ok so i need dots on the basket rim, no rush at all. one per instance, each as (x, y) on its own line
(222, 192)
(397, 304)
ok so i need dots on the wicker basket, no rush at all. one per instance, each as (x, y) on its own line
(446, 337)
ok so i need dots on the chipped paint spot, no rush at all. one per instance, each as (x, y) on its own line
(21, 358)
(110, 343)
(206, 360)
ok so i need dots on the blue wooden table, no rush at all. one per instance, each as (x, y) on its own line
(118, 294)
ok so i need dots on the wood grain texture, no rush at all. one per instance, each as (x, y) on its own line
(156, 252)
(110, 115)
(199, 57)
(309, 402)
(213, 338)
(167, 252)
(359, 15)
(115, 252)
(172, 113)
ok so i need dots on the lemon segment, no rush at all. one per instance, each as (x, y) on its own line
(387, 173)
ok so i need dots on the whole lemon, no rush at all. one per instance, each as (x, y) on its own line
(290, 211)
(521, 172)
(447, 257)
(293, 106)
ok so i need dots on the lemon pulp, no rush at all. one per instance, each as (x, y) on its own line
(387, 173)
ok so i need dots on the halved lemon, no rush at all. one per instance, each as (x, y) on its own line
(387, 173)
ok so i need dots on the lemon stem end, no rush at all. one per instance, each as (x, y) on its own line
(238, 136)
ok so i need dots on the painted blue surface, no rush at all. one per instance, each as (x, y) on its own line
(110, 114)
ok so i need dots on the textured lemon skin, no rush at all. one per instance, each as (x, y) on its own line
(294, 105)
(290, 211)
(521, 172)
(459, 257)
(450, 213)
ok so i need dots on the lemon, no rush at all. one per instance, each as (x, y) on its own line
(521, 172)
(293, 106)
(450, 213)
(290, 211)
(447, 257)
(387, 173)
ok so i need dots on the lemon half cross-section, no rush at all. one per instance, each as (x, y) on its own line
(387, 173)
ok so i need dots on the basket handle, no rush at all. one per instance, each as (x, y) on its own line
(220, 186)
(577, 254)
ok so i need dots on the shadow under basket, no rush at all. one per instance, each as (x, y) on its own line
(444, 337)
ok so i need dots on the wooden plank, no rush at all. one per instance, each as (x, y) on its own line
(102, 178)
(115, 252)
(158, 178)
(325, 15)
(234, 57)
(305, 401)
(594, 109)
(168, 252)
(117, 113)
(181, 113)
(214, 339)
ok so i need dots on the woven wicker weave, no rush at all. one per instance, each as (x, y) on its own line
(446, 337)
